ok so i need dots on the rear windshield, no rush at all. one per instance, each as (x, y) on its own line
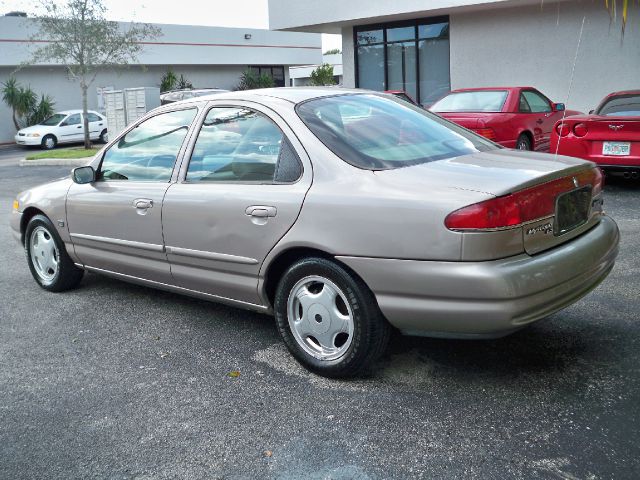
(483, 101)
(623, 106)
(54, 119)
(379, 133)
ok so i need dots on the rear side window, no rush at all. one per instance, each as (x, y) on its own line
(242, 145)
(93, 117)
(478, 101)
(622, 105)
(149, 151)
(537, 103)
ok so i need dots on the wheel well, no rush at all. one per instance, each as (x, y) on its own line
(282, 262)
(27, 215)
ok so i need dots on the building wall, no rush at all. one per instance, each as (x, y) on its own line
(53, 81)
(536, 46)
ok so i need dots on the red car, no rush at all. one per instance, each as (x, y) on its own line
(515, 117)
(608, 136)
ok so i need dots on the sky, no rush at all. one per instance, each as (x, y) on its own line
(221, 13)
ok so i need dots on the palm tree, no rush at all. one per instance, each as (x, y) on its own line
(21, 100)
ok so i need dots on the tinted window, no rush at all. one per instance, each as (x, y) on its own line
(480, 101)
(537, 103)
(623, 105)
(148, 152)
(376, 133)
(73, 119)
(54, 119)
(241, 145)
(93, 117)
(524, 105)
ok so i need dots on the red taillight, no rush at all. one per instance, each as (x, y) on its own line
(563, 129)
(520, 207)
(486, 132)
(580, 129)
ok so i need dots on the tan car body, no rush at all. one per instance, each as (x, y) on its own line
(386, 226)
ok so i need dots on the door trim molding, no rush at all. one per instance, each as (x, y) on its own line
(221, 257)
(116, 241)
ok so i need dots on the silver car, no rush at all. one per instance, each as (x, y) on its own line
(345, 213)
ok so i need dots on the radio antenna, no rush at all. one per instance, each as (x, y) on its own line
(573, 71)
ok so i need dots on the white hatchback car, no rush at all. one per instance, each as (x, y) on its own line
(63, 127)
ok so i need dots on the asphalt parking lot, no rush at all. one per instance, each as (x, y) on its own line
(119, 381)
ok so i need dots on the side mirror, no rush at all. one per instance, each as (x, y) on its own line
(559, 107)
(82, 175)
(591, 112)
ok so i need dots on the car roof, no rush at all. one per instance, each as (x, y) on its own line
(70, 112)
(482, 89)
(623, 92)
(291, 94)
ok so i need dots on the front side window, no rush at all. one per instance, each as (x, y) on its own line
(73, 119)
(537, 103)
(237, 144)
(379, 133)
(475, 101)
(149, 151)
(622, 105)
(54, 119)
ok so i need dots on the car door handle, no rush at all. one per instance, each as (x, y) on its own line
(261, 211)
(143, 203)
(79, 126)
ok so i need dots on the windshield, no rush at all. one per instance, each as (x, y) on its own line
(378, 133)
(622, 106)
(482, 101)
(54, 119)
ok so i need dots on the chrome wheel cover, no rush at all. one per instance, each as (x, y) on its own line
(320, 318)
(44, 254)
(49, 142)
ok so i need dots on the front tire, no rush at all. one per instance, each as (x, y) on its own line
(329, 319)
(48, 260)
(49, 142)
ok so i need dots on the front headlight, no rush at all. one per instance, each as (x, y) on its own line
(33, 134)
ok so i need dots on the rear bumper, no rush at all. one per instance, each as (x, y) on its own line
(493, 298)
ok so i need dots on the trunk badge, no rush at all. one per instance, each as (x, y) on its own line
(575, 182)
(615, 128)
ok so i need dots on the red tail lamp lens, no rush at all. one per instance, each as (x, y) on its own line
(486, 132)
(563, 129)
(580, 129)
(520, 207)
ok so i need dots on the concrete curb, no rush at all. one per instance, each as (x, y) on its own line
(59, 162)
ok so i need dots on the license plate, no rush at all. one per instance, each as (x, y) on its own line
(572, 210)
(616, 148)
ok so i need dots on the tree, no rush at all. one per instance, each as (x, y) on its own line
(168, 81)
(42, 110)
(79, 37)
(323, 75)
(250, 80)
(184, 83)
(333, 51)
(21, 100)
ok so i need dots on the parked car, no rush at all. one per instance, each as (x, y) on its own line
(63, 127)
(515, 117)
(187, 93)
(608, 136)
(342, 212)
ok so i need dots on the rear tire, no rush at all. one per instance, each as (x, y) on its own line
(104, 136)
(523, 142)
(329, 319)
(48, 260)
(49, 142)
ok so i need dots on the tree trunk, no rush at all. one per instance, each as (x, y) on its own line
(15, 120)
(85, 118)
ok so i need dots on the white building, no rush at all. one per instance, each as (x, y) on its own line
(429, 47)
(299, 76)
(207, 56)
